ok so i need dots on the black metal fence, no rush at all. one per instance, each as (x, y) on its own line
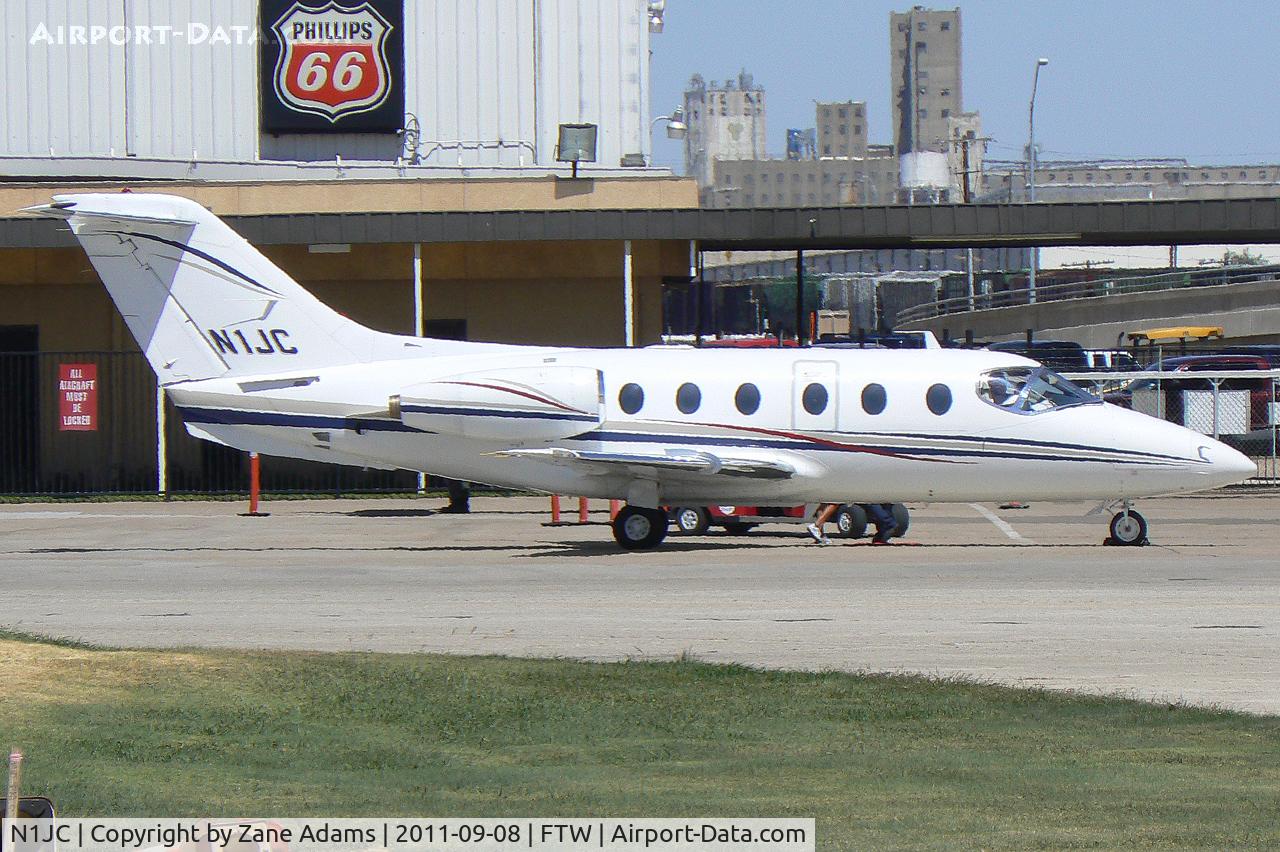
(108, 445)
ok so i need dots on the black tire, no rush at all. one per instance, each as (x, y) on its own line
(738, 528)
(902, 518)
(690, 520)
(639, 529)
(851, 521)
(1128, 529)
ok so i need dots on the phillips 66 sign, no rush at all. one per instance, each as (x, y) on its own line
(332, 65)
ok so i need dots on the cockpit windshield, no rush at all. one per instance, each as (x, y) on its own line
(1030, 390)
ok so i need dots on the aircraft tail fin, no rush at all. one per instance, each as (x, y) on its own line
(200, 300)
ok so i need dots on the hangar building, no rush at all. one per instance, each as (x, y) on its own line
(262, 108)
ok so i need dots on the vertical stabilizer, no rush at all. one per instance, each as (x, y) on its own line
(201, 302)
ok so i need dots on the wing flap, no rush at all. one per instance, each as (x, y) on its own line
(647, 464)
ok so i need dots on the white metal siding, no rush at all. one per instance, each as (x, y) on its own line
(194, 101)
(489, 81)
(48, 88)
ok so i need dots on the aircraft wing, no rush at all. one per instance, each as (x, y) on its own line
(592, 462)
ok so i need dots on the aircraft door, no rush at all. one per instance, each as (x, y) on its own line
(815, 396)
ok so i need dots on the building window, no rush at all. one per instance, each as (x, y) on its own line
(826, 150)
(795, 178)
(844, 112)
(749, 201)
(922, 26)
(1128, 175)
(631, 398)
(857, 130)
(921, 47)
(812, 177)
(902, 28)
(873, 399)
(814, 398)
(826, 112)
(749, 180)
(795, 198)
(747, 399)
(726, 178)
(844, 130)
(688, 398)
(826, 179)
(764, 199)
(946, 93)
(924, 113)
(813, 199)
(1052, 176)
(944, 26)
(946, 113)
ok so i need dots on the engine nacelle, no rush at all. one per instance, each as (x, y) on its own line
(513, 405)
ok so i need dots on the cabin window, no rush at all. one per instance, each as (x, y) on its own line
(938, 398)
(688, 398)
(1030, 390)
(747, 399)
(631, 398)
(873, 399)
(814, 398)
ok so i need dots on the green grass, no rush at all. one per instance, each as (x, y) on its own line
(879, 761)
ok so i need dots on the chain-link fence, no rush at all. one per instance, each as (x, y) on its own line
(1238, 407)
(86, 423)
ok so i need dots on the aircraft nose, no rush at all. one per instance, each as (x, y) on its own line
(1228, 466)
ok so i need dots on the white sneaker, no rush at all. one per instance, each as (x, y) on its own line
(817, 535)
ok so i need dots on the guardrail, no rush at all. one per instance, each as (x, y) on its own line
(1237, 407)
(1177, 279)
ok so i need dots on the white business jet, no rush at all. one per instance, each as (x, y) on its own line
(254, 361)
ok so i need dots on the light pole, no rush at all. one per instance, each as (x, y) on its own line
(1031, 178)
(676, 128)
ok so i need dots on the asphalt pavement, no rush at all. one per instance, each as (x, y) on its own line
(1018, 596)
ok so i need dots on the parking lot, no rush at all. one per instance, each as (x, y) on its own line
(1020, 596)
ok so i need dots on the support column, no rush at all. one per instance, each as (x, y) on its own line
(419, 324)
(800, 297)
(628, 297)
(162, 465)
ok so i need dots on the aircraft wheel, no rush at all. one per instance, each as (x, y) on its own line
(690, 520)
(738, 528)
(902, 518)
(851, 521)
(639, 529)
(1128, 529)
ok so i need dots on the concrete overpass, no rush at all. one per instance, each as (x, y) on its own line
(1249, 312)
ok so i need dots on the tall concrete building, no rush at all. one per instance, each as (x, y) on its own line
(925, 82)
(842, 129)
(726, 122)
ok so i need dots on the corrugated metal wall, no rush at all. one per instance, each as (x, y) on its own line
(488, 80)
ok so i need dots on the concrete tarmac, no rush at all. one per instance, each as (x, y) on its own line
(1023, 597)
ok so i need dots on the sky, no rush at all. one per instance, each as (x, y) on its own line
(1179, 78)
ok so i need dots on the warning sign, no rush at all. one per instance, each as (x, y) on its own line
(77, 397)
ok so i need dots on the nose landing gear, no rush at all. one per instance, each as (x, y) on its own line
(1128, 528)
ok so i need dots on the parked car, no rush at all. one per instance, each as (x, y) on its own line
(850, 519)
(1065, 356)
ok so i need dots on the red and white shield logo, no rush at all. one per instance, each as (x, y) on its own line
(332, 61)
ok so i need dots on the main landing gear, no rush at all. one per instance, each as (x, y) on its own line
(1128, 528)
(640, 529)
